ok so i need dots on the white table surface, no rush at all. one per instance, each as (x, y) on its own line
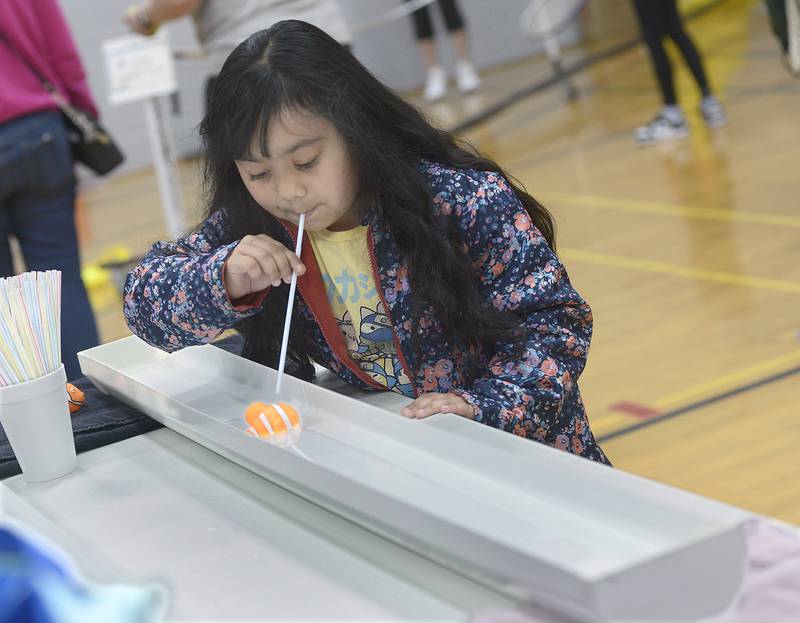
(226, 543)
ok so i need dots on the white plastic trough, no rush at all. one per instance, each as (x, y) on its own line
(533, 522)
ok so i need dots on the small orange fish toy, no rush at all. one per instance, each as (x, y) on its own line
(76, 398)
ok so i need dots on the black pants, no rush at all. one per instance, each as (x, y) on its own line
(659, 19)
(777, 19)
(423, 27)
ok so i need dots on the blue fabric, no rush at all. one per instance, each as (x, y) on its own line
(37, 207)
(38, 584)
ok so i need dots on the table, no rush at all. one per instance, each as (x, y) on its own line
(228, 544)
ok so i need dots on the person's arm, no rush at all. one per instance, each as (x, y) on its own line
(145, 18)
(62, 56)
(518, 272)
(176, 297)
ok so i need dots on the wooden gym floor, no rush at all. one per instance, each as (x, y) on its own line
(688, 253)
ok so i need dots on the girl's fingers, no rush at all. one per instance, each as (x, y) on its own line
(272, 274)
(283, 266)
(424, 406)
(258, 262)
(297, 264)
(244, 265)
(272, 267)
(430, 404)
(292, 262)
(284, 258)
(258, 271)
(257, 268)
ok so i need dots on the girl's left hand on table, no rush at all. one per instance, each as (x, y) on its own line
(428, 404)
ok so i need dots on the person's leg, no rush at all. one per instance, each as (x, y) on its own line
(458, 39)
(466, 75)
(42, 217)
(423, 27)
(6, 264)
(778, 22)
(427, 50)
(455, 27)
(436, 79)
(711, 108)
(651, 16)
(670, 123)
(423, 31)
(10, 135)
(688, 49)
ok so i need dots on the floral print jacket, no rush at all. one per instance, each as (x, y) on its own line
(176, 298)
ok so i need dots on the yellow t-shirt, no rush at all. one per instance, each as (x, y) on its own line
(343, 259)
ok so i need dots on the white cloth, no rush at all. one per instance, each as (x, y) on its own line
(770, 590)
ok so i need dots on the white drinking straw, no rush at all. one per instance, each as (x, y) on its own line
(30, 326)
(290, 305)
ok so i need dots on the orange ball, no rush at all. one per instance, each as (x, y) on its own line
(76, 398)
(269, 420)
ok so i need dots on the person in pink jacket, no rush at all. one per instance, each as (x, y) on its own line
(37, 181)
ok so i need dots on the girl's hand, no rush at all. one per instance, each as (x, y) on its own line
(256, 263)
(428, 404)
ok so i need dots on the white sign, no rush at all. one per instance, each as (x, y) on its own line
(139, 67)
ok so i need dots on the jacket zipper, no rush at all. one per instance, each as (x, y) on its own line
(379, 288)
(359, 373)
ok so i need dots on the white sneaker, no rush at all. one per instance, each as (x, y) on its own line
(661, 129)
(435, 84)
(713, 112)
(466, 76)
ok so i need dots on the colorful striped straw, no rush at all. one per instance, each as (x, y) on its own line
(30, 326)
(290, 306)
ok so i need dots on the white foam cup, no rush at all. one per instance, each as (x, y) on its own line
(35, 416)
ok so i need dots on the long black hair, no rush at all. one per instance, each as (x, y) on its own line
(296, 66)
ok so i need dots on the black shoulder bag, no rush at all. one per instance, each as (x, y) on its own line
(91, 144)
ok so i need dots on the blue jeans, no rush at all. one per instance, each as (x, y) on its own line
(37, 207)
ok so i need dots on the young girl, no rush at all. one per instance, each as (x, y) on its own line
(424, 270)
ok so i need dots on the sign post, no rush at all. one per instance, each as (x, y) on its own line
(142, 69)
